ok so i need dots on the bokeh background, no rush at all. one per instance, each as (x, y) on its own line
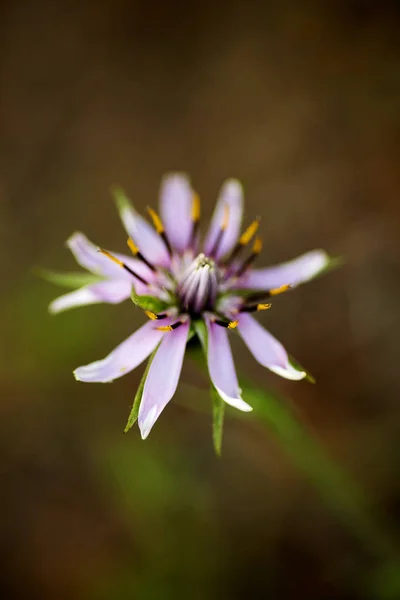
(298, 99)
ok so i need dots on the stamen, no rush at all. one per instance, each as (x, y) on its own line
(111, 257)
(153, 315)
(225, 220)
(244, 239)
(279, 290)
(195, 218)
(170, 327)
(255, 307)
(256, 297)
(257, 246)
(254, 253)
(250, 231)
(122, 264)
(227, 324)
(158, 224)
(196, 208)
(156, 220)
(263, 306)
(132, 246)
(222, 230)
(135, 251)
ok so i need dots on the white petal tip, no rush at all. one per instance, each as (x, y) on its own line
(244, 407)
(59, 305)
(76, 375)
(85, 374)
(236, 402)
(146, 424)
(232, 186)
(288, 373)
(76, 236)
(176, 177)
(318, 260)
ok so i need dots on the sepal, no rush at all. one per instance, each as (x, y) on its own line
(72, 280)
(151, 303)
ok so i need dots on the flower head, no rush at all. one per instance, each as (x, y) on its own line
(187, 286)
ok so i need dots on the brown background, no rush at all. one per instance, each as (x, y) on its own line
(300, 100)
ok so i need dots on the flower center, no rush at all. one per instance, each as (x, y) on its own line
(197, 289)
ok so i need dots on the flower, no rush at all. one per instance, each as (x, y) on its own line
(189, 287)
(108, 282)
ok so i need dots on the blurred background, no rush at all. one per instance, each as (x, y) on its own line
(298, 99)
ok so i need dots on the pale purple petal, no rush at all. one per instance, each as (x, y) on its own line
(111, 292)
(293, 272)
(221, 367)
(231, 194)
(145, 236)
(266, 349)
(126, 357)
(89, 257)
(176, 198)
(163, 377)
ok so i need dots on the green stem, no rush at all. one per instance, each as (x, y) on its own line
(339, 491)
(343, 496)
(133, 415)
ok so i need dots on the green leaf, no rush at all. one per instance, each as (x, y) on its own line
(69, 280)
(338, 489)
(201, 331)
(120, 198)
(218, 420)
(149, 303)
(334, 263)
(133, 415)
(334, 484)
(296, 365)
(218, 404)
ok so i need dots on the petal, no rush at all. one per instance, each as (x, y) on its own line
(109, 291)
(126, 357)
(89, 257)
(146, 238)
(176, 198)
(294, 272)
(221, 367)
(231, 194)
(266, 349)
(163, 377)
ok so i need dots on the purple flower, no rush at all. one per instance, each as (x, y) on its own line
(186, 287)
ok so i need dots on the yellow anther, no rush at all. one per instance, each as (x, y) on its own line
(156, 220)
(165, 328)
(279, 290)
(132, 246)
(195, 208)
(233, 324)
(263, 306)
(151, 315)
(226, 217)
(250, 231)
(257, 246)
(111, 257)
